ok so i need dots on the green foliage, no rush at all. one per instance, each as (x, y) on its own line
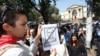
(96, 7)
(42, 6)
(53, 9)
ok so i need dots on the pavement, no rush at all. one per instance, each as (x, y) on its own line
(92, 51)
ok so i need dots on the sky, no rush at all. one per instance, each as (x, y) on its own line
(62, 5)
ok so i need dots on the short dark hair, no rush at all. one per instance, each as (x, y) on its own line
(9, 16)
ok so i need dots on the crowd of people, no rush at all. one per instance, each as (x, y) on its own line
(74, 37)
(17, 38)
(69, 30)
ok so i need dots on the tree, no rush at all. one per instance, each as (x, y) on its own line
(55, 17)
(33, 15)
(53, 9)
(53, 13)
(42, 6)
(21, 3)
(96, 7)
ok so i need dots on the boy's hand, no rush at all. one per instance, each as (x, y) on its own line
(53, 52)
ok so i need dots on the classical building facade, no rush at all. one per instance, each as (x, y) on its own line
(74, 13)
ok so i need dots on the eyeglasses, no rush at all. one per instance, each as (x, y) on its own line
(6, 7)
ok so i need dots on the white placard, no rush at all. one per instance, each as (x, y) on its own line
(50, 36)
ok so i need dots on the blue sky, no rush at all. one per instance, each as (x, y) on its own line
(62, 5)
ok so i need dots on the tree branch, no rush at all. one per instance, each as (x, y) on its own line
(33, 3)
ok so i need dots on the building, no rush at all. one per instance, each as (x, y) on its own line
(74, 13)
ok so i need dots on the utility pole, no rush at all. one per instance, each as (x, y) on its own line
(89, 23)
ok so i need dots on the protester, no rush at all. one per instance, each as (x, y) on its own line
(30, 36)
(13, 28)
(81, 35)
(98, 38)
(75, 47)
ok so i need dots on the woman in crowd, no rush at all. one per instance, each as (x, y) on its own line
(13, 28)
(81, 35)
(75, 47)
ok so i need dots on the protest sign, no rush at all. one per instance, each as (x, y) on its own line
(50, 36)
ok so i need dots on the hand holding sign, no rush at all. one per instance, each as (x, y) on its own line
(50, 36)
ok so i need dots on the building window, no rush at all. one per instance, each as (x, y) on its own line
(74, 13)
(79, 10)
(69, 11)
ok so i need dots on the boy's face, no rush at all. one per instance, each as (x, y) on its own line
(20, 28)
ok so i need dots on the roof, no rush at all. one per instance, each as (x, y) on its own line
(75, 6)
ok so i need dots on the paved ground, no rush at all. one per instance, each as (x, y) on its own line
(92, 52)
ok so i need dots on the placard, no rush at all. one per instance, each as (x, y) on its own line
(50, 36)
